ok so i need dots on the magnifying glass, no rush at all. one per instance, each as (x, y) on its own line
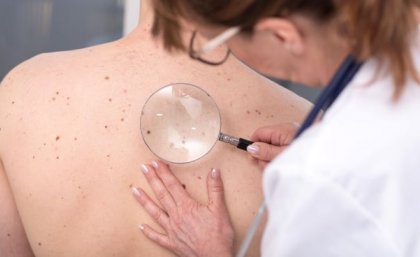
(181, 123)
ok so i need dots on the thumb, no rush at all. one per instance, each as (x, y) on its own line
(215, 189)
(264, 152)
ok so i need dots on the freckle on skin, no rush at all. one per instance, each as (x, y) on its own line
(58, 157)
(106, 77)
(184, 186)
(199, 177)
(57, 93)
(106, 126)
(57, 138)
(149, 132)
(53, 98)
(13, 102)
(40, 244)
(110, 99)
(9, 235)
(248, 112)
(122, 119)
(75, 139)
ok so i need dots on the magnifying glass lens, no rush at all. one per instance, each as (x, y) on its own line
(180, 123)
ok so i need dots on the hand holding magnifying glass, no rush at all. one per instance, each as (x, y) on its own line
(181, 123)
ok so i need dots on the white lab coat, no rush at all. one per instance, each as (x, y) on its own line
(350, 185)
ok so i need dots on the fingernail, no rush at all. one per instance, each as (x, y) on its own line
(214, 173)
(254, 149)
(155, 164)
(141, 227)
(144, 169)
(136, 192)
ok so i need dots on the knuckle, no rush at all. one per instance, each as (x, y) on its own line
(161, 195)
(216, 187)
(157, 215)
(171, 185)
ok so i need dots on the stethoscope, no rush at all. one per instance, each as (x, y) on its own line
(341, 79)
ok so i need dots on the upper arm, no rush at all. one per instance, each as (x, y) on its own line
(13, 240)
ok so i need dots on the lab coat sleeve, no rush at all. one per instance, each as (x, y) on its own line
(316, 217)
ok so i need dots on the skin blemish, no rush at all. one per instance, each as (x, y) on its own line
(57, 93)
(110, 100)
(184, 186)
(122, 119)
(199, 177)
(53, 98)
(258, 111)
(68, 98)
(248, 112)
(106, 126)
(13, 102)
(149, 132)
(228, 79)
(58, 157)
(108, 156)
(75, 139)
(183, 142)
(39, 243)
(9, 235)
(203, 134)
(57, 138)
(171, 145)
(33, 156)
(130, 186)
(106, 77)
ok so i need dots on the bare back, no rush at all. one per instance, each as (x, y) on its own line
(71, 148)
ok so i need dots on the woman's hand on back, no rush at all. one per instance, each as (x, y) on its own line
(191, 229)
(270, 141)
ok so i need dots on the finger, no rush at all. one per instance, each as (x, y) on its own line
(171, 183)
(151, 207)
(276, 135)
(264, 152)
(262, 165)
(160, 239)
(215, 189)
(159, 189)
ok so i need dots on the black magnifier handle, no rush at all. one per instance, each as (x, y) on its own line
(236, 141)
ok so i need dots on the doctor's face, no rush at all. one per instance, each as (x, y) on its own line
(280, 49)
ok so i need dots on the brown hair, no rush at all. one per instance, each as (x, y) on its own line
(377, 28)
